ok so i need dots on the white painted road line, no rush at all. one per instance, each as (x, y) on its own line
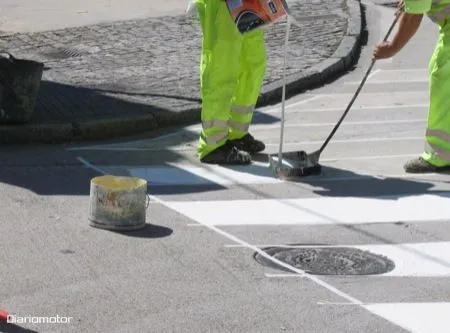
(311, 99)
(282, 276)
(259, 173)
(424, 80)
(403, 74)
(318, 211)
(268, 144)
(415, 317)
(364, 158)
(318, 179)
(416, 259)
(395, 76)
(402, 70)
(368, 99)
(263, 127)
(214, 174)
(346, 141)
(361, 108)
(371, 75)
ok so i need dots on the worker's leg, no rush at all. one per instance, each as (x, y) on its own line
(436, 156)
(219, 75)
(251, 77)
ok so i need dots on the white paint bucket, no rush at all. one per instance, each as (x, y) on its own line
(253, 14)
(118, 203)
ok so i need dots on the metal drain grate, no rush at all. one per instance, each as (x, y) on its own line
(64, 53)
(392, 4)
(328, 260)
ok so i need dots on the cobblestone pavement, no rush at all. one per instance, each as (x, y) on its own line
(151, 65)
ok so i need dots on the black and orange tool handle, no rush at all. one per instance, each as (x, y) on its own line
(3, 315)
(349, 106)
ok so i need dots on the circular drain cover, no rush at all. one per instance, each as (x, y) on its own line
(329, 260)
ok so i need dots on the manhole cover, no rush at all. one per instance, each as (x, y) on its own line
(328, 260)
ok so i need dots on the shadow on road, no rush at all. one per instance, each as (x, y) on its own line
(11, 328)
(151, 231)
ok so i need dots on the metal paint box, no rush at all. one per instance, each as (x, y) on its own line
(252, 14)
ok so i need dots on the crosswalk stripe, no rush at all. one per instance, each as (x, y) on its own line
(384, 76)
(418, 80)
(415, 317)
(415, 260)
(366, 108)
(318, 211)
(257, 173)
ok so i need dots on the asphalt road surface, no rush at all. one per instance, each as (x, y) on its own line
(202, 265)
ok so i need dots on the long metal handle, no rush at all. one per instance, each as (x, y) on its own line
(283, 98)
(357, 91)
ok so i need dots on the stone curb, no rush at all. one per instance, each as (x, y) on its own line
(345, 56)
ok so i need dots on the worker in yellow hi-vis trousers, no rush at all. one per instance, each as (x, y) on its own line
(436, 156)
(232, 72)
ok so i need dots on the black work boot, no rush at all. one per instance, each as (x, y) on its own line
(227, 154)
(249, 144)
(419, 165)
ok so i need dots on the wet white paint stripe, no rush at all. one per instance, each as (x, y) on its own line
(268, 144)
(211, 175)
(415, 317)
(258, 173)
(318, 211)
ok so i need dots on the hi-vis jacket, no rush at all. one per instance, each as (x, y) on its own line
(436, 10)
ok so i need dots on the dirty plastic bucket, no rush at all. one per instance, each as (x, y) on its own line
(20, 80)
(252, 14)
(118, 203)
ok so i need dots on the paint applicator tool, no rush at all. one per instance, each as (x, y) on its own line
(300, 163)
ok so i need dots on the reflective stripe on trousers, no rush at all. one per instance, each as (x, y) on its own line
(217, 125)
(240, 118)
(434, 149)
(214, 131)
(222, 124)
(239, 109)
(237, 126)
(214, 139)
